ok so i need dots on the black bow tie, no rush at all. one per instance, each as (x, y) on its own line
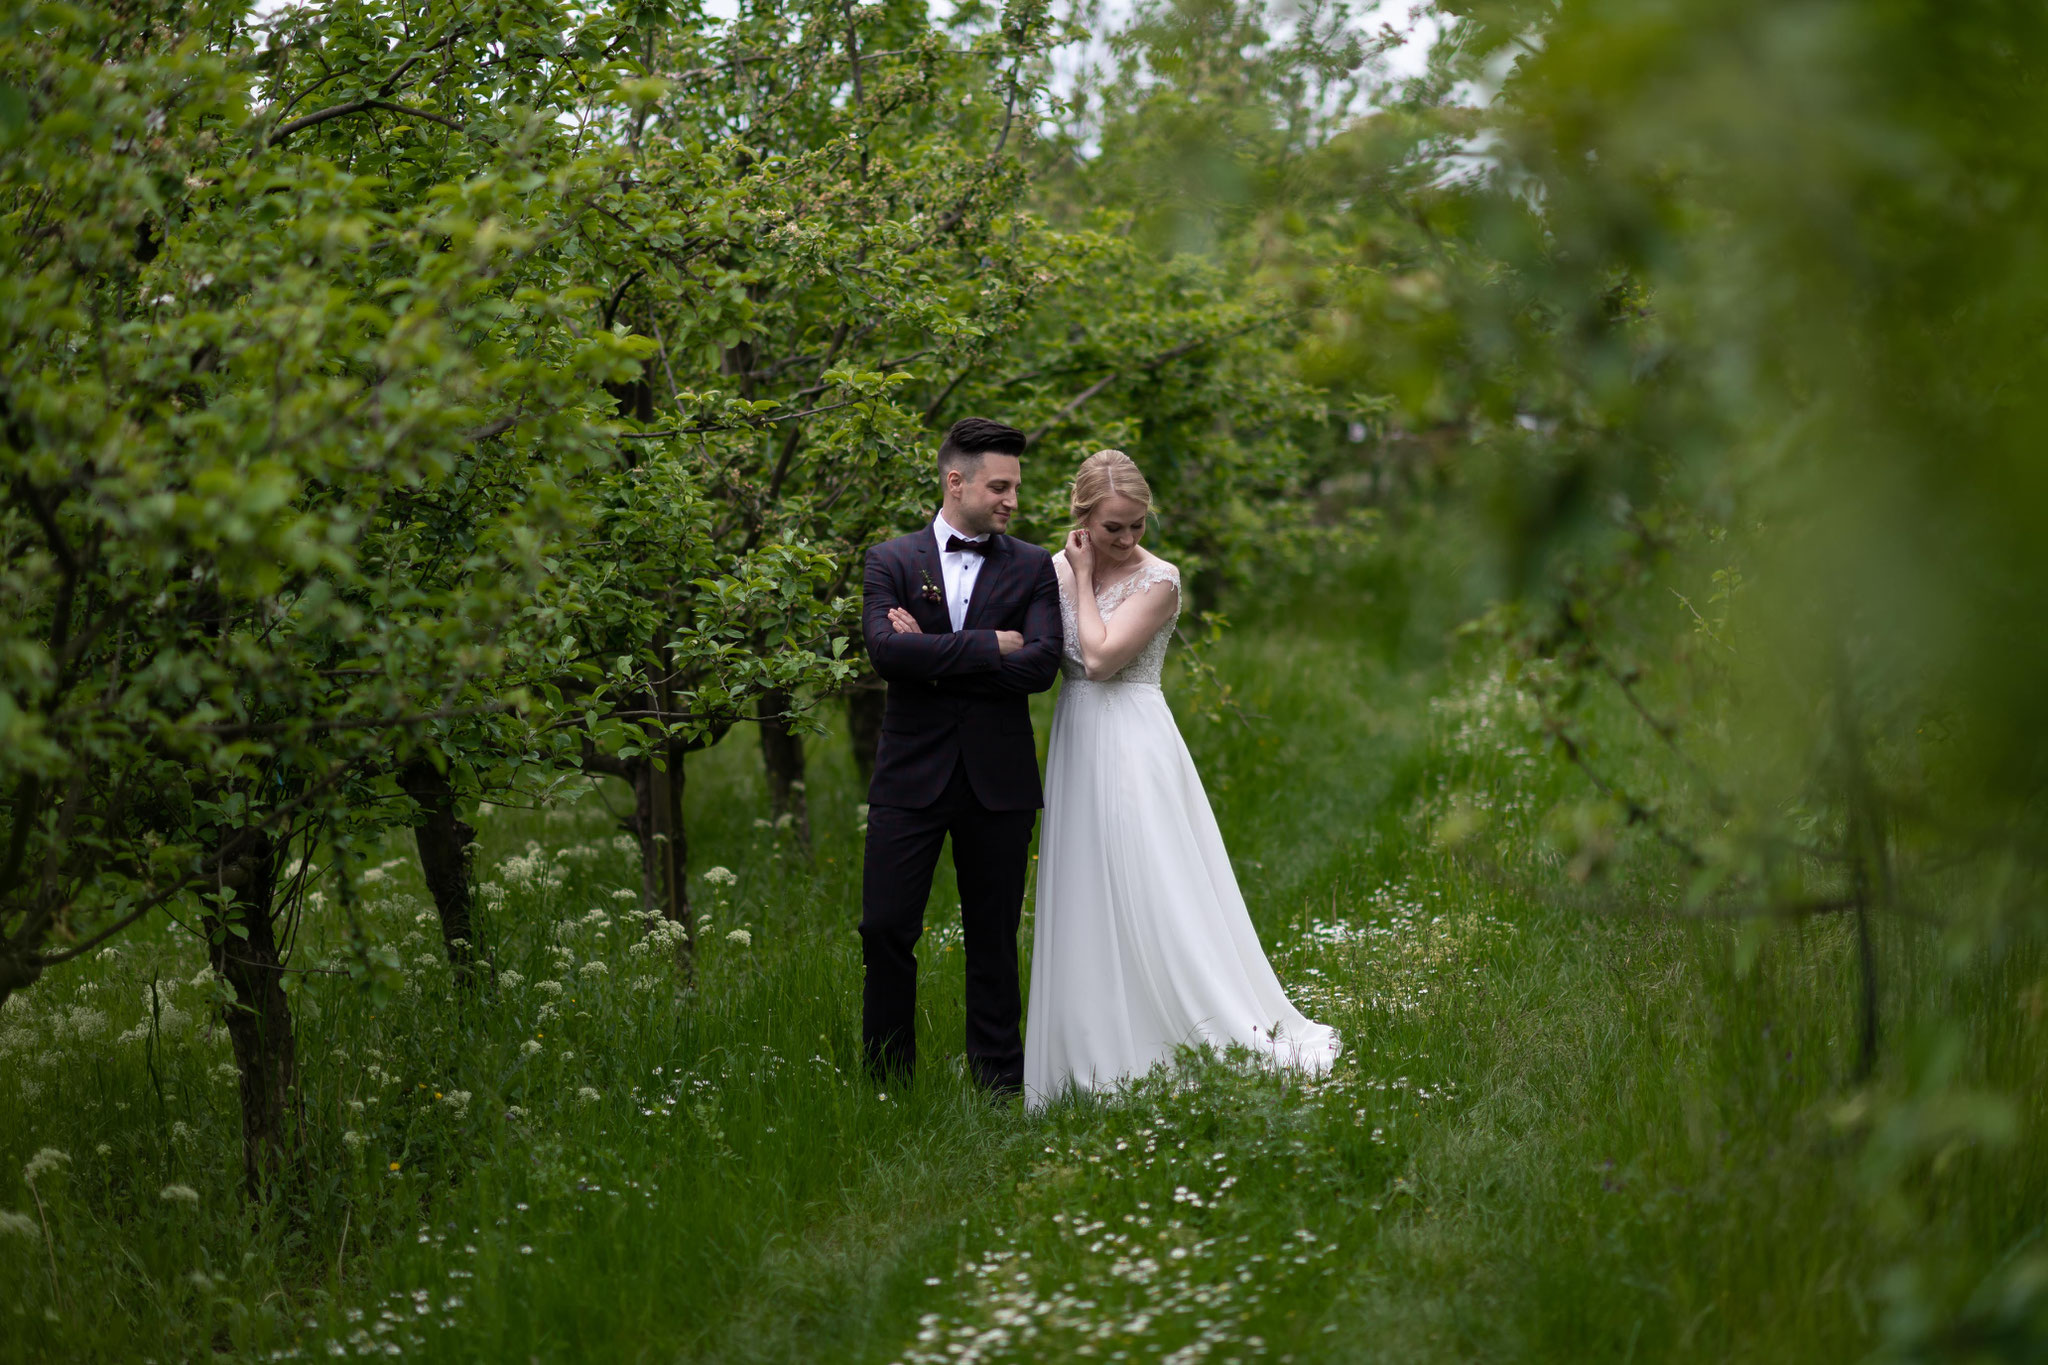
(974, 547)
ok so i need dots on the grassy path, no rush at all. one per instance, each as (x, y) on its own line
(1552, 1135)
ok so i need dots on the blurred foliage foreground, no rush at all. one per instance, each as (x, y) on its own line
(404, 409)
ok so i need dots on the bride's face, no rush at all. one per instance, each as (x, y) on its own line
(1115, 527)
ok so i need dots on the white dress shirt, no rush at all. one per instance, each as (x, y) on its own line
(959, 568)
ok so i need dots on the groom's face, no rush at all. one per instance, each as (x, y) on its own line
(986, 494)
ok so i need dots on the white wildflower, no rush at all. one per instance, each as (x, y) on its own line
(85, 1024)
(645, 983)
(105, 1149)
(353, 1140)
(625, 893)
(594, 969)
(529, 1047)
(457, 1100)
(204, 978)
(43, 1162)
(530, 870)
(511, 980)
(514, 1112)
(159, 1012)
(739, 936)
(226, 1071)
(179, 1194)
(372, 875)
(551, 988)
(181, 1131)
(719, 876)
(638, 948)
(14, 1224)
(546, 1013)
(588, 1095)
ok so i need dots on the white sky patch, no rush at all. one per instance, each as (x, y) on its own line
(1417, 20)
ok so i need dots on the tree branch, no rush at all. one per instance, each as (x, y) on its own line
(358, 106)
(1165, 357)
(931, 414)
(240, 730)
(750, 422)
(496, 427)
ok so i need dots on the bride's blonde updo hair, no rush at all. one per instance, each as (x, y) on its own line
(1107, 474)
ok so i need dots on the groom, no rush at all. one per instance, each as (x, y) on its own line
(964, 624)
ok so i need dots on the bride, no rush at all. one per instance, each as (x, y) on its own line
(1143, 943)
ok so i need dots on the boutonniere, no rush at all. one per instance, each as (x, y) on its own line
(931, 592)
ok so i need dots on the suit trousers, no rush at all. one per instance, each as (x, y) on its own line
(990, 851)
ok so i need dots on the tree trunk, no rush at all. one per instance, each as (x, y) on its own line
(675, 843)
(782, 755)
(17, 973)
(664, 844)
(1866, 1020)
(446, 847)
(644, 829)
(242, 946)
(864, 703)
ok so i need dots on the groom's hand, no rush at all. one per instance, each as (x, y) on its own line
(904, 622)
(1009, 641)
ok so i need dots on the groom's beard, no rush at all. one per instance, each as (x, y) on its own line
(983, 525)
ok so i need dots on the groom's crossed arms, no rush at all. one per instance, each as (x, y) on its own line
(966, 661)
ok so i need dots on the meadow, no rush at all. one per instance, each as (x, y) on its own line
(1568, 1124)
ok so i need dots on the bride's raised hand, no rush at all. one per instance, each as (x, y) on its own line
(1080, 555)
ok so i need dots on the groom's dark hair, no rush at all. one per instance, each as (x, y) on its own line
(970, 438)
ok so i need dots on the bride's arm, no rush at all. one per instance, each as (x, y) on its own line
(1107, 646)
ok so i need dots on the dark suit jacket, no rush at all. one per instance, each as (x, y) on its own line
(953, 695)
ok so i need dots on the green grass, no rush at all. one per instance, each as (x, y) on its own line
(1556, 1133)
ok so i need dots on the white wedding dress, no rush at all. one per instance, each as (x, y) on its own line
(1143, 943)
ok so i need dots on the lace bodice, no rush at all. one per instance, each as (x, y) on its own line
(1150, 662)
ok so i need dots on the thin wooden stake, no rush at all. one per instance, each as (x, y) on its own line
(49, 1243)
